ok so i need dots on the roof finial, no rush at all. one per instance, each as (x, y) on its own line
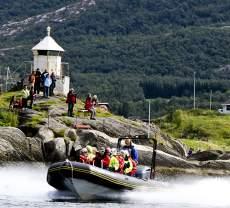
(48, 30)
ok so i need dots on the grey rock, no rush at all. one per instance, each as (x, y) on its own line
(69, 147)
(54, 150)
(71, 133)
(205, 155)
(45, 134)
(15, 146)
(60, 148)
(216, 164)
(224, 156)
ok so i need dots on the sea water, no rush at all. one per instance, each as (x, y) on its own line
(24, 185)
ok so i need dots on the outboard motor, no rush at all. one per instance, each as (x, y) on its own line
(143, 172)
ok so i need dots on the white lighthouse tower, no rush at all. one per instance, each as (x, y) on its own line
(47, 56)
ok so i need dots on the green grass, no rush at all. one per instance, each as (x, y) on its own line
(37, 119)
(8, 118)
(199, 129)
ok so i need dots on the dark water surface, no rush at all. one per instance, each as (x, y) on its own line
(24, 185)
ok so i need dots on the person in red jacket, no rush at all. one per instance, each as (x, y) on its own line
(84, 156)
(89, 106)
(106, 158)
(71, 100)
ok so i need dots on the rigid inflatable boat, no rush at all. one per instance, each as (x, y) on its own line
(88, 182)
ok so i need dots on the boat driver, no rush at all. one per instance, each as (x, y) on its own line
(131, 149)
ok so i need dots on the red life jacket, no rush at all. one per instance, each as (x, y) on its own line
(84, 159)
(71, 98)
(121, 163)
(105, 161)
(88, 103)
(134, 170)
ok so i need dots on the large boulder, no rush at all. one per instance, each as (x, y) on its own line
(99, 139)
(54, 150)
(124, 127)
(224, 156)
(205, 155)
(71, 133)
(35, 150)
(216, 164)
(173, 146)
(15, 146)
(60, 148)
(45, 134)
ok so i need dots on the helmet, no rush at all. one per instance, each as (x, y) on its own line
(102, 150)
(108, 150)
(125, 152)
(84, 150)
(113, 151)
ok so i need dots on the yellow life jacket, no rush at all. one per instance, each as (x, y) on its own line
(130, 168)
(114, 163)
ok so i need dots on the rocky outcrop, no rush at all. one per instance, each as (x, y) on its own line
(45, 134)
(205, 155)
(54, 139)
(15, 146)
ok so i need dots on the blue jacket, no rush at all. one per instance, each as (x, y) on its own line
(132, 151)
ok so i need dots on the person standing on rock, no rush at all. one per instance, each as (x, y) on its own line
(25, 96)
(53, 85)
(47, 84)
(37, 81)
(71, 100)
(89, 107)
(31, 97)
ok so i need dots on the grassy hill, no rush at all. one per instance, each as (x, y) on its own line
(123, 51)
(199, 129)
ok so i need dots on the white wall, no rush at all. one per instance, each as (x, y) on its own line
(224, 110)
(62, 86)
(51, 63)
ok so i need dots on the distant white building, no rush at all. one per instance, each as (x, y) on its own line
(47, 56)
(225, 108)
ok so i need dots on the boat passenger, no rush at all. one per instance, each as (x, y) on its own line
(114, 162)
(99, 156)
(134, 170)
(91, 156)
(121, 160)
(106, 158)
(131, 149)
(84, 156)
(128, 165)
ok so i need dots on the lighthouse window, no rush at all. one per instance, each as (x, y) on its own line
(49, 53)
(44, 53)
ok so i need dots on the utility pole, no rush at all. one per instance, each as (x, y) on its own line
(7, 77)
(194, 90)
(210, 100)
(149, 120)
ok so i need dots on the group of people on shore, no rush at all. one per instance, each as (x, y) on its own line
(44, 81)
(90, 103)
(37, 81)
(124, 161)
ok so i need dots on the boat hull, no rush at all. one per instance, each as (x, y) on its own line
(88, 182)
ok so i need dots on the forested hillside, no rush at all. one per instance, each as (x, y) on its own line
(127, 51)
